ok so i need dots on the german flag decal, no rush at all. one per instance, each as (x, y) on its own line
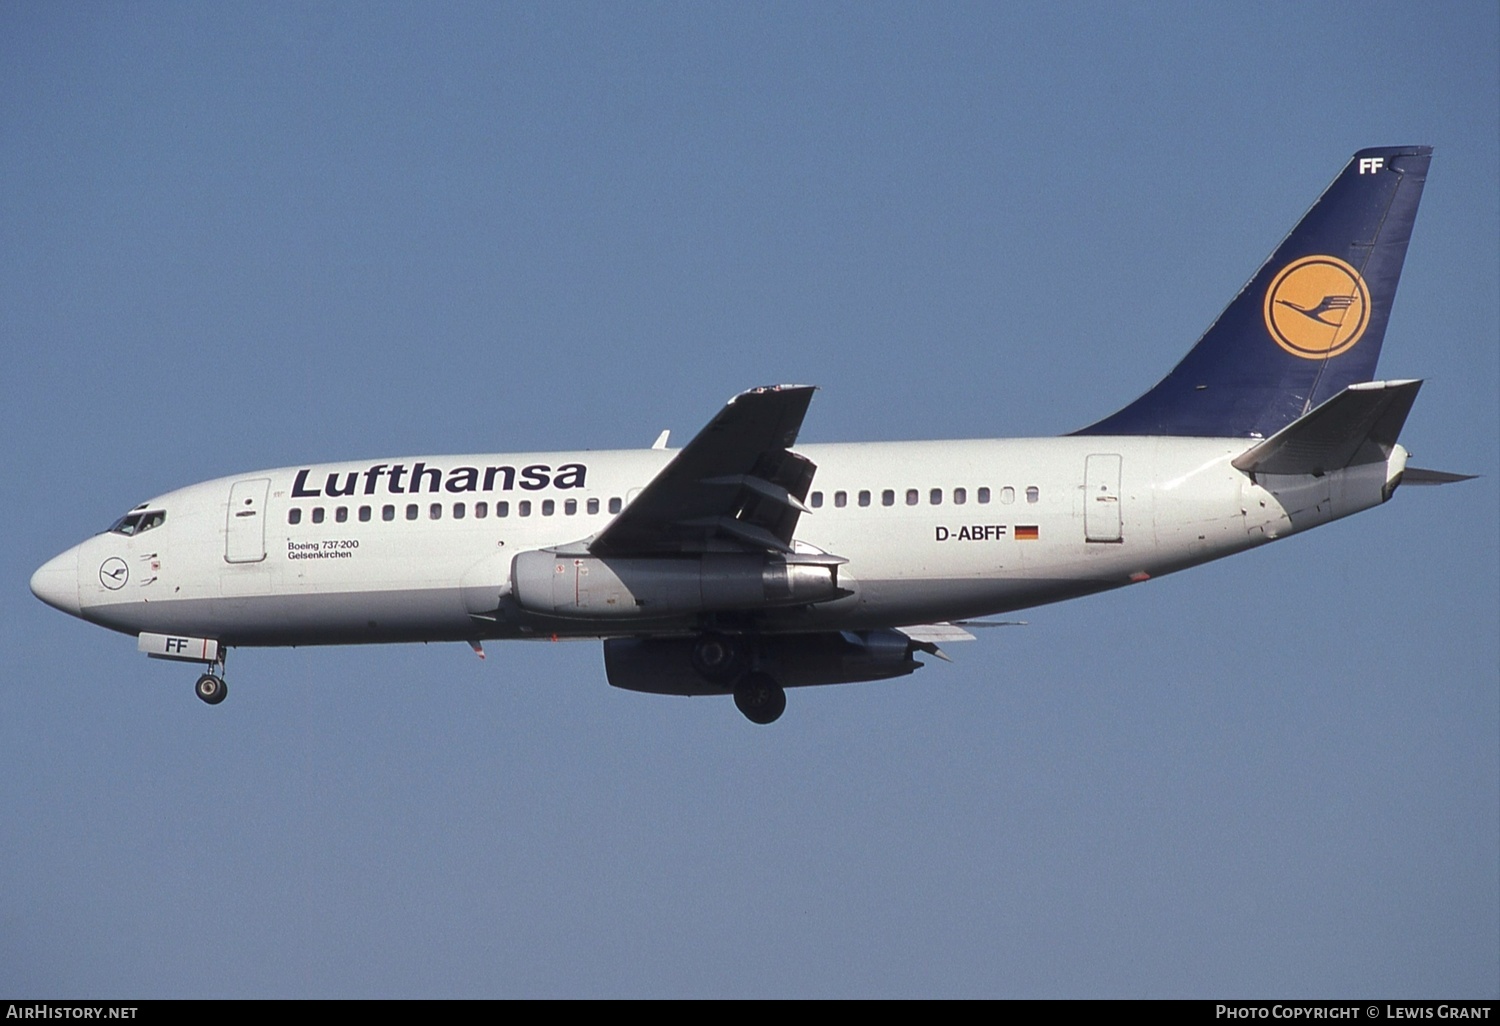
(1027, 532)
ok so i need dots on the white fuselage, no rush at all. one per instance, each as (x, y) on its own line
(931, 531)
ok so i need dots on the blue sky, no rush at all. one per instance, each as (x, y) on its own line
(248, 236)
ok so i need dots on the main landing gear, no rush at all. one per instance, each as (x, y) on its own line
(760, 698)
(727, 661)
(211, 687)
(719, 658)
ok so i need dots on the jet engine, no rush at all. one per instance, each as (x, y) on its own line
(592, 587)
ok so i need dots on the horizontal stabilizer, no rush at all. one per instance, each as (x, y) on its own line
(1359, 425)
(1418, 476)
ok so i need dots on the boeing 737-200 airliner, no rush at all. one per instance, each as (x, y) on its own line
(740, 566)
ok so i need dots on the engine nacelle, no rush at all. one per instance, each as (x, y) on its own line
(664, 666)
(591, 587)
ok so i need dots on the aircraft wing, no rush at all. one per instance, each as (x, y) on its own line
(736, 487)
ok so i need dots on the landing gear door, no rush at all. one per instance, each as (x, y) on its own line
(1101, 498)
(245, 533)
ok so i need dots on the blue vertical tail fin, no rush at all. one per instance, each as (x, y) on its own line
(1308, 324)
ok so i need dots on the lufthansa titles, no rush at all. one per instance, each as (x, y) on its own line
(399, 479)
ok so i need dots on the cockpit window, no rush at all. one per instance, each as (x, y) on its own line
(135, 523)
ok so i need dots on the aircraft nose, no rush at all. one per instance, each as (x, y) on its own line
(56, 583)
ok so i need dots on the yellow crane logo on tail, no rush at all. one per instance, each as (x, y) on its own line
(1317, 307)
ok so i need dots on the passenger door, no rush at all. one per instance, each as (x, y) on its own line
(245, 532)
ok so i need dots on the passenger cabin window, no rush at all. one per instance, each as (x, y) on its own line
(817, 500)
(387, 512)
(1007, 495)
(523, 508)
(317, 516)
(936, 497)
(912, 496)
(481, 510)
(593, 506)
(502, 509)
(294, 515)
(570, 507)
(841, 499)
(435, 511)
(458, 511)
(615, 505)
(1033, 493)
(984, 496)
(864, 498)
(341, 514)
(888, 497)
(960, 496)
(135, 523)
(364, 514)
(411, 511)
(548, 507)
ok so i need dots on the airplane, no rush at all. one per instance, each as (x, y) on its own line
(740, 565)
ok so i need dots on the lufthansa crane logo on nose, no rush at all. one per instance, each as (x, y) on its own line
(114, 573)
(1317, 307)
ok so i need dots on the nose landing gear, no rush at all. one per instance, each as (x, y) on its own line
(211, 687)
